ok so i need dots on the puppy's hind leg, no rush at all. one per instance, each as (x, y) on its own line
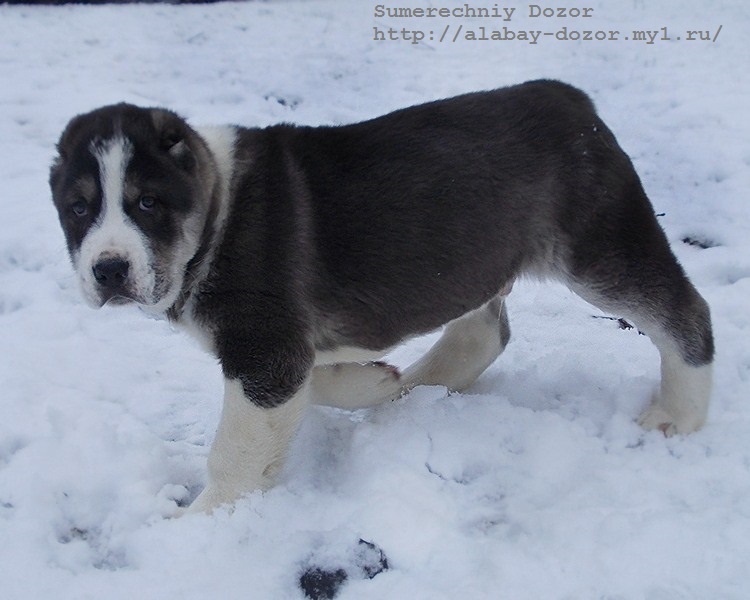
(467, 347)
(355, 385)
(624, 265)
(679, 325)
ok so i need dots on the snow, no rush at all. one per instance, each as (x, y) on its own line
(536, 483)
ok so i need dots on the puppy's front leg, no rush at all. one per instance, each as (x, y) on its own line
(250, 447)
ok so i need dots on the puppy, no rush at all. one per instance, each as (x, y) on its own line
(300, 254)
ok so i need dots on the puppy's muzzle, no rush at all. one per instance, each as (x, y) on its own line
(111, 275)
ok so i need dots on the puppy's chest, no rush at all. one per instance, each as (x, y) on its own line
(197, 327)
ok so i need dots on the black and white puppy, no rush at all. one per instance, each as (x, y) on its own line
(297, 254)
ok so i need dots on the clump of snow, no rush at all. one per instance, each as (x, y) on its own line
(534, 484)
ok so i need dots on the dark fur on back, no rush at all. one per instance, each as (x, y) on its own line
(350, 202)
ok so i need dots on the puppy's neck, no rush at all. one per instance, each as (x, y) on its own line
(217, 171)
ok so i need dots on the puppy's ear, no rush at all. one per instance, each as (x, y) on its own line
(64, 147)
(173, 134)
(68, 138)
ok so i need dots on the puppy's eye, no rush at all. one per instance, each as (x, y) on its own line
(80, 208)
(147, 203)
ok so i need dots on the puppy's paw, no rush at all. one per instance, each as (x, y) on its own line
(210, 499)
(355, 385)
(389, 372)
(670, 422)
(654, 417)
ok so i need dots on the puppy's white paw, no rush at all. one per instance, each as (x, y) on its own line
(658, 417)
(682, 403)
(355, 385)
(654, 417)
(209, 500)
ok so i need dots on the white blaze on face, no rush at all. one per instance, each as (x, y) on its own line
(113, 234)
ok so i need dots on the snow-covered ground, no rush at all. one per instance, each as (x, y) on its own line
(536, 484)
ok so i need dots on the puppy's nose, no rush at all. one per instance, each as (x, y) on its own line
(111, 272)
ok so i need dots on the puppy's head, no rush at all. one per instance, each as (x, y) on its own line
(132, 187)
